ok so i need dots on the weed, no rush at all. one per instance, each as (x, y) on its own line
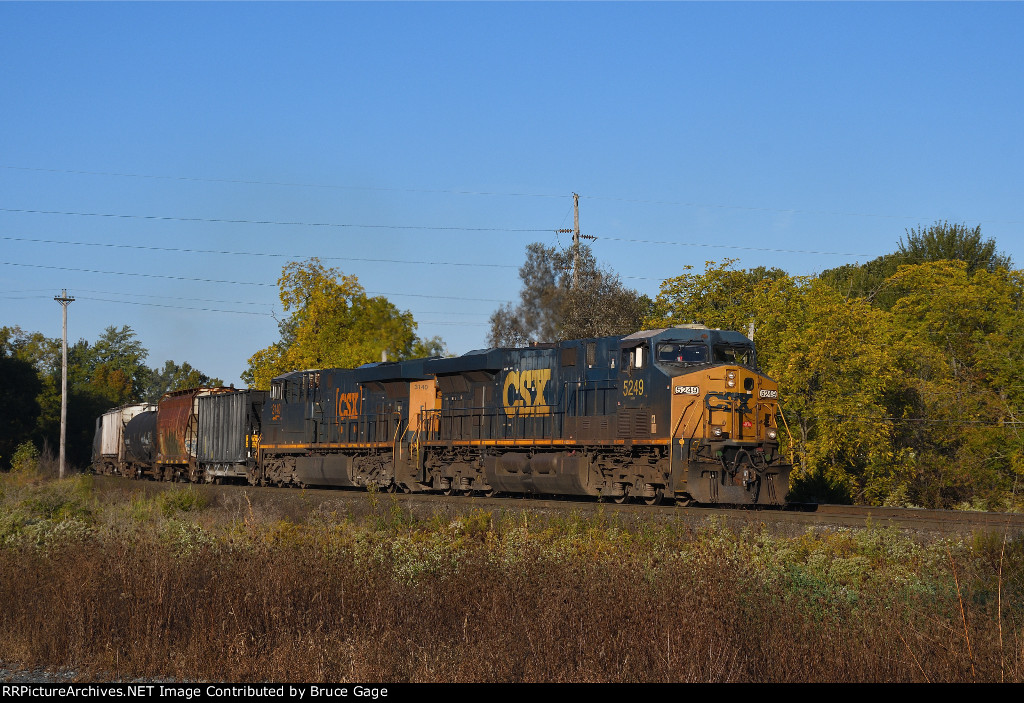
(173, 586)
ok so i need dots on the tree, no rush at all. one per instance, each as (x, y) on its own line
(963, 341)
(332, 323)
(836, 362)
(552, 307)
(19, 391)
(112, 369)
(175, 378)
(538, 314)
(941, 241)
(720, 297)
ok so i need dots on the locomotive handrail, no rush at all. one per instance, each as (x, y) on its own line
(498, 423)
(672, 447)
(792, 458)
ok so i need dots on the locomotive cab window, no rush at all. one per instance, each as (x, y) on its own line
(739, 354)
(683, 353)
(633, 358)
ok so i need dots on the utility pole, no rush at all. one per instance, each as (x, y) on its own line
(64, 301)
(576, 237)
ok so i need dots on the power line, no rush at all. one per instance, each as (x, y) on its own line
(239, 302)
(345, 225)
(136, 274)
(176, 307)
(287, 184)
(226, 252)
(730, 246)
(785, 211)
(218, 220)
(610, 198)
(227, 302)
(235, 283)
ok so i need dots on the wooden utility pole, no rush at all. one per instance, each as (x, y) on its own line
(64, 301)
(576, 237)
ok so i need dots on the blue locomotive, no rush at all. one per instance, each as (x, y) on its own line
(680, 413)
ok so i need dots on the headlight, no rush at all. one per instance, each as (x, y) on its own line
(730, 379)
(716, 431)
(772, 434)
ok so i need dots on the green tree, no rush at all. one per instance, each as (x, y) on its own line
(722, 296)
(174, 377)
(557, 302)
(963, 341)
(19, 392)
(952, 242)
(841, 388)
(113, 368)
(333, 323)
(941, 241)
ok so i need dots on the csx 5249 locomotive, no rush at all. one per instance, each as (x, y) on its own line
(680, 413)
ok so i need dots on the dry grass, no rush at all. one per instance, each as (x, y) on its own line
(167, 586)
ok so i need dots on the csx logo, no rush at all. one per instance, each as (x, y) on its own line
(348, 404)
(523, 392)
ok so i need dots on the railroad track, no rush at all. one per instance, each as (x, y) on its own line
(298, 504)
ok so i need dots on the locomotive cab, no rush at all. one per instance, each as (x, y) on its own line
(723, 418)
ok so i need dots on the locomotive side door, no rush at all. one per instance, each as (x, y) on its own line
(312, 405)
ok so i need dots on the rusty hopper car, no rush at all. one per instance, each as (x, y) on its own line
(229, 435)
(108, 445)
(177, 434)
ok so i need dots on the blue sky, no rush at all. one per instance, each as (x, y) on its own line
(440, 139)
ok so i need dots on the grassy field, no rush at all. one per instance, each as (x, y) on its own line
(164, 585)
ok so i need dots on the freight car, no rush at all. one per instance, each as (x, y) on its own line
(228, 435)
(108, 447)
(679, 414)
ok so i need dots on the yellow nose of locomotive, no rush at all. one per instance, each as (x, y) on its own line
(725, 403)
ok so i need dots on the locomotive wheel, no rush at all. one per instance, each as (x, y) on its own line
(619, 500)
(656, 499)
